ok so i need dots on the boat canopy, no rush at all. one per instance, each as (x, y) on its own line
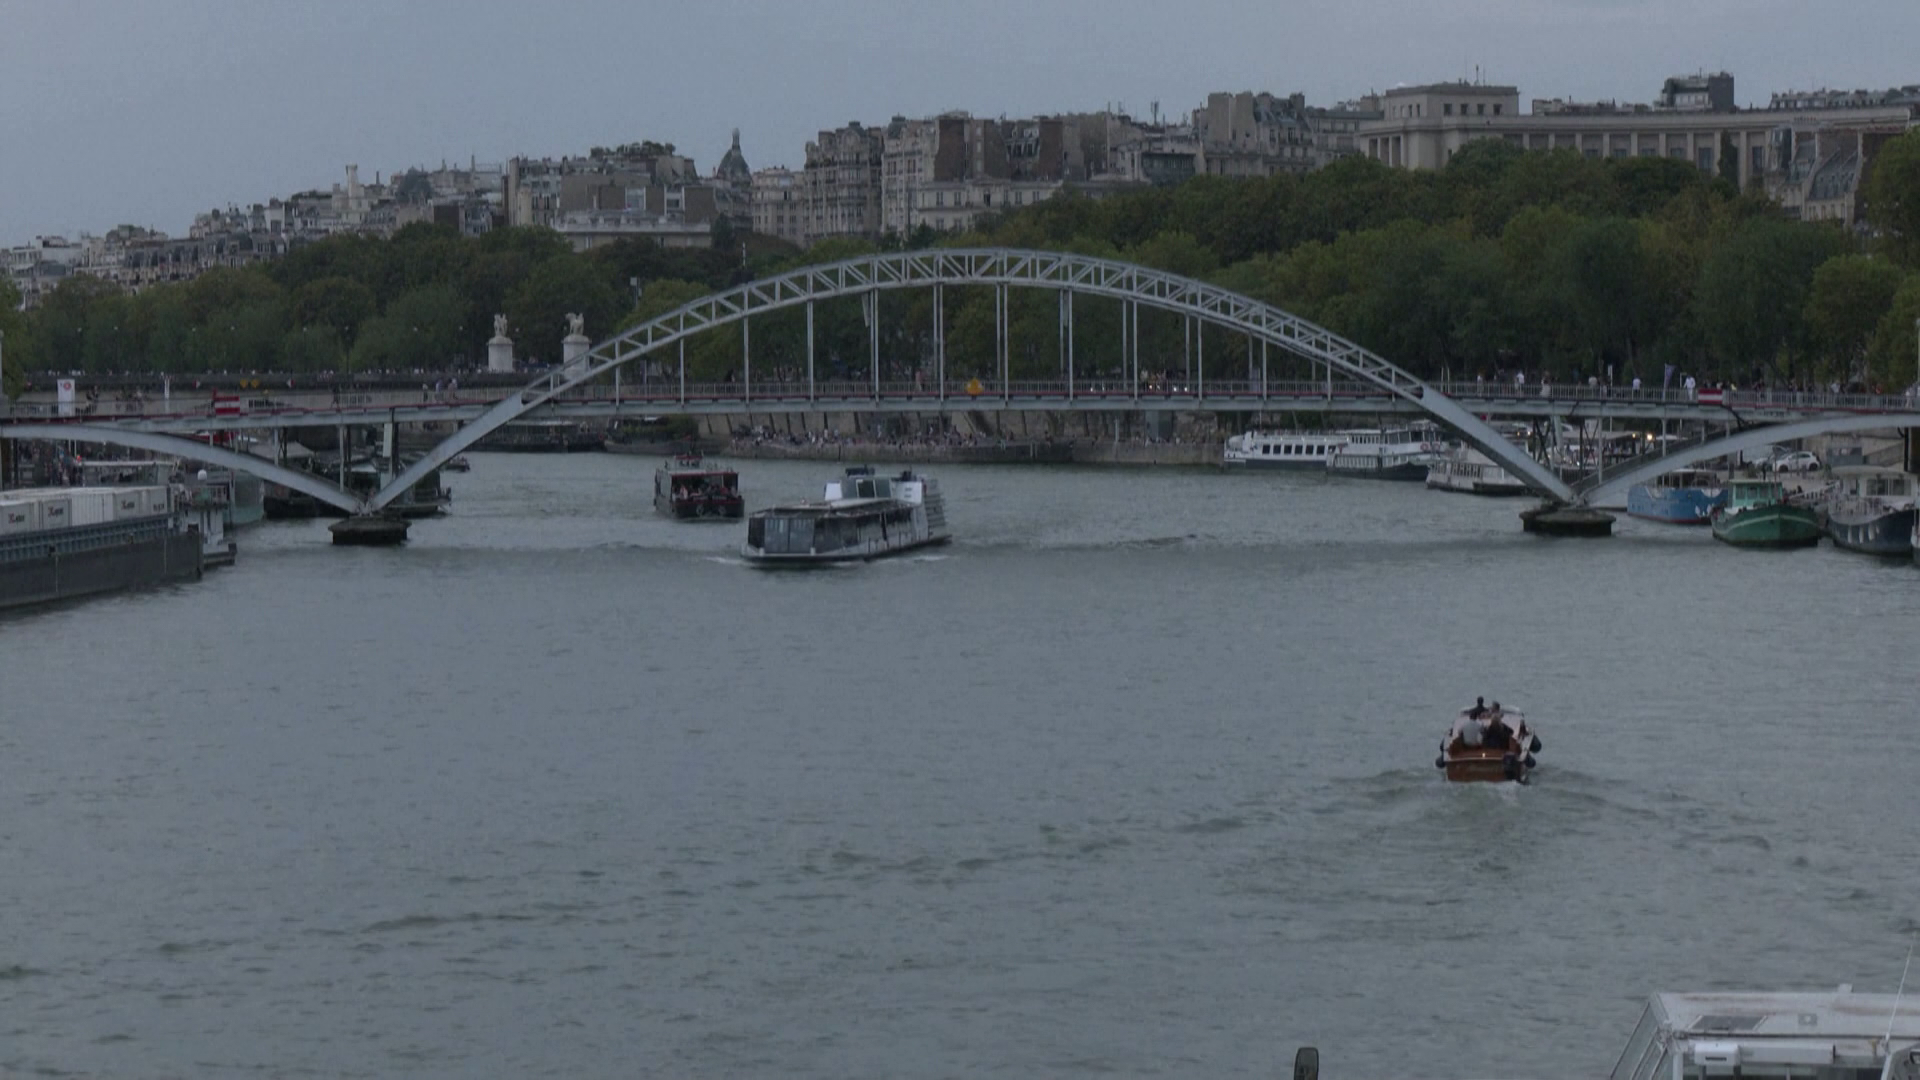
(1837, 1035)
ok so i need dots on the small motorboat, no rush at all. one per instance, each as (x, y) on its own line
(1473, 752)
(457, 463)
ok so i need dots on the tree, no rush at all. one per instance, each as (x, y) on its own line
(1849, 296)
(110, 343)
(14, 352)
(340, 304)
(1892, 360)
(1605, 271)
(421, 330)
(1648, 184)
(1752, 297)
(60, 321)
(313, 348)
(538, 307)
(1176, 253)
(1893, 198)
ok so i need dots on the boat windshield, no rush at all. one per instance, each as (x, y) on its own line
(821, 533)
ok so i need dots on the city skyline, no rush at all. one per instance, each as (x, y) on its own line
(147, 114)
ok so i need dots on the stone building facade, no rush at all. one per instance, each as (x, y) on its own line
(1781, 150)
(840, 185)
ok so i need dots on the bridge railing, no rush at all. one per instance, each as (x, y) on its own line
(410, 406)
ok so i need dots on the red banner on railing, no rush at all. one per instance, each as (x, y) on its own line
(1708, 395)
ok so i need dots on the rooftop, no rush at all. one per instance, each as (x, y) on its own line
(1461, 86)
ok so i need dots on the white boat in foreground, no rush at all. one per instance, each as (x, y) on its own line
(860, 517)
(1831, 1035)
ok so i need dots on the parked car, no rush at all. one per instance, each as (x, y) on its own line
(1798, 461)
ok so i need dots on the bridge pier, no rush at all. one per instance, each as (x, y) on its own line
(1549, 519)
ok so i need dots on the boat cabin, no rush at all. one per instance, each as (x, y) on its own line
(1742, 494)
(1835, 1035)
(686, 487)
(1419, 435)
(1688, 479)
(861, 516)
(1283, 447)
(1887, 486)
(853, 526)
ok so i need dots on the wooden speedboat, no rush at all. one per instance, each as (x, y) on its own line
(1468, 757)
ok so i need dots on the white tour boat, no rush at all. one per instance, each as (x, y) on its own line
(1284, 449)
(1401, 453)
(1464, 468)
(860, 517)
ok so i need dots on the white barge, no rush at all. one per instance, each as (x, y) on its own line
(860, 517)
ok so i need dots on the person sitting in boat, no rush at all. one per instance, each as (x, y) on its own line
(1466, 730)
(1497, 735)
(1479, 708)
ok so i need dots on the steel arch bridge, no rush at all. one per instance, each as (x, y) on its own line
(1001, 268)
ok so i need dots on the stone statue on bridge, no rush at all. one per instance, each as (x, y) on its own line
(499, 326)
(577, 325)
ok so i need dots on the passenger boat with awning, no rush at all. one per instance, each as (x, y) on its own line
(686, 488)
(860, 517)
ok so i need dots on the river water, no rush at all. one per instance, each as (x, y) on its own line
(1133, 779)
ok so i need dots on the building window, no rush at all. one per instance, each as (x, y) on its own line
(1447, 109)
(1496, 109)
(939, 198)
(1483, 110)
(1704, 158)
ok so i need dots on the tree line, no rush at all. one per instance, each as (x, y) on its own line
(1556, 264)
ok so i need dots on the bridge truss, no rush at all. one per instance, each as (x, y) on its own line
(1002, 269)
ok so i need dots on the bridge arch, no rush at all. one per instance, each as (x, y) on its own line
(997, 267)
(175, 446)
(1596, 491)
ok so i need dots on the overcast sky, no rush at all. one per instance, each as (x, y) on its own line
(147, 111)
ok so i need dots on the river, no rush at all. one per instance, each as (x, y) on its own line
(1135, 778)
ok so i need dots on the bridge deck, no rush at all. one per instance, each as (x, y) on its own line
(308, 408)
